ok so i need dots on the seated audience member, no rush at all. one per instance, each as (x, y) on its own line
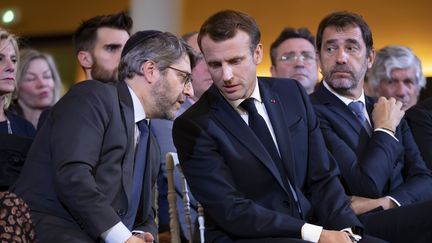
(252, 151)
(38, 85)
(9, 122)
(98, 44)
(379, 161)
(201, 81)
(91, 172)
(419, 118)
(397, 72)
(293, 56)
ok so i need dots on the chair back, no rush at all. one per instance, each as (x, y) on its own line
(171, 165)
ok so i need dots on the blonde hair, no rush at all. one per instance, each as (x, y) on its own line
(4, 38)
(29, 55)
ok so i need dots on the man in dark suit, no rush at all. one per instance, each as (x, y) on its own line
(283, 190)
(419, 118)
(379, 161)
(91, 171)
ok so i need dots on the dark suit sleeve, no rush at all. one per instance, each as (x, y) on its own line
(213, 185)
(418, 179)
(76, 143)
(364, 173)
(368, 165)
(420, 121)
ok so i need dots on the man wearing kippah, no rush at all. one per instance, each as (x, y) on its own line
(91, 171)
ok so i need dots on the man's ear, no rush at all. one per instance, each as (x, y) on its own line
(85, 59)
(371, 57)
(150, 71)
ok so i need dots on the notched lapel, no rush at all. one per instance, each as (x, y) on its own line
(281, 124)
(225, 114)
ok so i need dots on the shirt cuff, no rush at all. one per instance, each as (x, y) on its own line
(117, 233)
(311, 232)
(353, 237)
(386, 131)
(394, 200)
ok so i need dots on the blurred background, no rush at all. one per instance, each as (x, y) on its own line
(48, 25)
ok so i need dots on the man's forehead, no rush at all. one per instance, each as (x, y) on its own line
(296, 44)
(107, 34)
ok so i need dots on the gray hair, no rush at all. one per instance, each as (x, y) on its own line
(29, 55)
(394, 57)
(163, 48)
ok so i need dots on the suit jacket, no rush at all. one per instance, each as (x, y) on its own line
(419, 118)
(373, 166)
(80, 165)
(233, 176)
(162, 129)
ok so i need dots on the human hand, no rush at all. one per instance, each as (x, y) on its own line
(146, 236)
(387, 113)
(330, 236)
(134, 239)
(362, 205)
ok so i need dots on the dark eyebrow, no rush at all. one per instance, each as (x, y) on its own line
(113, 46)
(352, 41)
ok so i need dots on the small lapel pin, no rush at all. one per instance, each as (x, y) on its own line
(273, 101)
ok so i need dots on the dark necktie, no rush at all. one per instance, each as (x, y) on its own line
(357, 108)
(138, 173)
(260, 128)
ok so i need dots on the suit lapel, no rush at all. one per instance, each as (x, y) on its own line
(280, 123)
(341, 110)
(227, 116)
(126, 107)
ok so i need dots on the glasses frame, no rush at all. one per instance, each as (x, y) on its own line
(187, 78)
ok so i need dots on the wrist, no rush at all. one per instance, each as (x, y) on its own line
(388, 129)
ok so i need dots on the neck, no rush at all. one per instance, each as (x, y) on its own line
(141, 92)
(30, 114)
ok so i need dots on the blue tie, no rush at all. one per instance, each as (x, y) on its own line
(260, 128)
(357, 108)
(138, 173)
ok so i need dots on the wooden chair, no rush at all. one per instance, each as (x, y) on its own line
(173, 164)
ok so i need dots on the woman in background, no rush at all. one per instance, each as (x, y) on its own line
(38, 84)
(10, 123)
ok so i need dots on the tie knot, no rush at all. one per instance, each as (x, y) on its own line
(249, 105)
(357, 108)
(142, 125)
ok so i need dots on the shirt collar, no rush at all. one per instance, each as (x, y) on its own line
(344, 99)
(139, 113)
(255, 94)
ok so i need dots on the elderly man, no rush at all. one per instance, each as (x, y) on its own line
(397, 73)
(91, 171)
(293, 56)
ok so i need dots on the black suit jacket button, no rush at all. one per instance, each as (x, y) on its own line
(121, 212)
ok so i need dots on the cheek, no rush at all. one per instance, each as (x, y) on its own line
(27, 89)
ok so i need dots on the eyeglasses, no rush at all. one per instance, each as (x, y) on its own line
(292, 57)
(187, 77)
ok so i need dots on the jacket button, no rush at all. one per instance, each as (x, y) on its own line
(121, 212)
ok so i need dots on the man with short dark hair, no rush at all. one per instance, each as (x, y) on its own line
(98, 44)
(293, 56)
(91, 171)
(381, 167)
(252, 151)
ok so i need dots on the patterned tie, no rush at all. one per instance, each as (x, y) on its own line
(138, 173)
(260, 128)
(357, 108)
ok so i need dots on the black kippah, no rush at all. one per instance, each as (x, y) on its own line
(137, 38)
